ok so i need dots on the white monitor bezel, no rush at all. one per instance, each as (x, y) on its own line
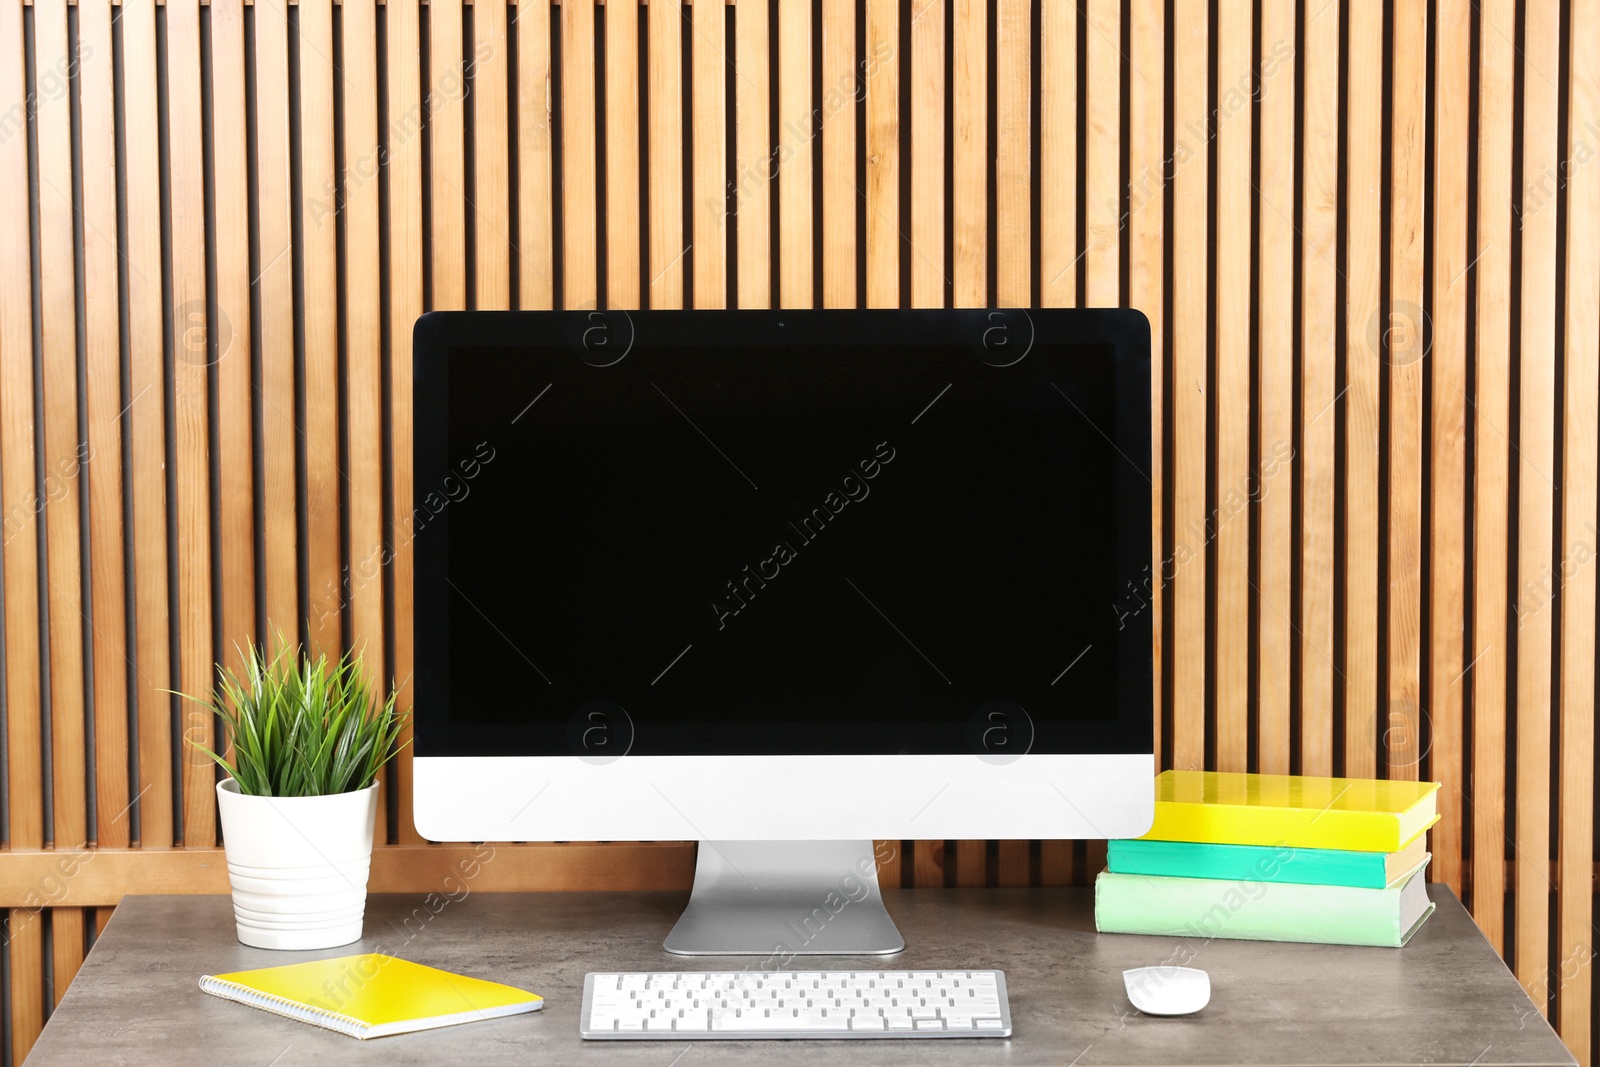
(759, 798)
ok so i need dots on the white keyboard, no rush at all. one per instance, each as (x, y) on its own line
(695, 1005)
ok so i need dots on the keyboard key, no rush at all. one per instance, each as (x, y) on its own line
(868, 1022)
(758, 1023)
(987, 1023)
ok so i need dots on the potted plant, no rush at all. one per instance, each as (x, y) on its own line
(304, 744)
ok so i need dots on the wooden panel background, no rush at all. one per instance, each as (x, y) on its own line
(1365, 236)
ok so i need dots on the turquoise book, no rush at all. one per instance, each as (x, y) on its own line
(1268, 863)
(1205, 908)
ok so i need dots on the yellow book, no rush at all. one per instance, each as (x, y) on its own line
(371, 995)
(1229, 808)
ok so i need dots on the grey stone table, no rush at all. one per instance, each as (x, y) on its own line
(1444, 999)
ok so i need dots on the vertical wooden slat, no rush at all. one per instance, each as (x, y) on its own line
(1235, 33)
(62, 464)
(1094, 858)
(274, 285)
(1366, 326)
(970, 858)
(1535, 445)
(753, 166)
(1581, 430)
(1275, 387)
(622, 154)
(445, 98)
(1403, 352)
(491, 172)
(66, 951)
(888, 853)
(578, 173)
(1318, 295)
(1446, 361)
(709, 65)
(1147, 285)
(754, 158)
(103, 401)
(1056, 863)
(235, 507)
(1058, 157)
(882, 194)
(18, 489)
(1103, 155)
(535, 191)
(404, 225)
(928, 862)
(972, 861)
(320, 317)
(667, 247)
(839, 192)
(969, 147)
(191, 433)
(1491, 401)
(363, 327)
(1189, 383)
(146, 410)
(26, 949)
(796, 127)
(1012, 171)
(926, 156)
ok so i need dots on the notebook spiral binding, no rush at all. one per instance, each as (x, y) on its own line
(283, 1006)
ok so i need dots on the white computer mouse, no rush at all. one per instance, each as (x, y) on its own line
(1167, 990)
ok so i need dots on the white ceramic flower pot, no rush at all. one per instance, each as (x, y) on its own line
(298, 865)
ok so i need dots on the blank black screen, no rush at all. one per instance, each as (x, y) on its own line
(812, 549)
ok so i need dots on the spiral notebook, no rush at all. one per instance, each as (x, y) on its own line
(371, 995)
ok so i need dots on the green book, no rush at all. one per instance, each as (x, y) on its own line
(1268, 863)
(1205, 908)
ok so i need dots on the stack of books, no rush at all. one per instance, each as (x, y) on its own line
(1274, 857)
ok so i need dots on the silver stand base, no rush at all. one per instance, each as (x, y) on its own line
(782, 899)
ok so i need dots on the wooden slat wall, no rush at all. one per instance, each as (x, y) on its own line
(1365, 237)
(1535, 492)
(1492, 590)
(1316, 219)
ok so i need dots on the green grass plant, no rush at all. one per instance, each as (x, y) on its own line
(298, 727)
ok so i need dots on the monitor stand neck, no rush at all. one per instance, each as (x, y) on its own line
(782, 899)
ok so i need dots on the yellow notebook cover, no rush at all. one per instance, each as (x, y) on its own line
(1230, 808)
(371, 995)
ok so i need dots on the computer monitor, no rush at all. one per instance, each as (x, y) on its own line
(783, 582)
